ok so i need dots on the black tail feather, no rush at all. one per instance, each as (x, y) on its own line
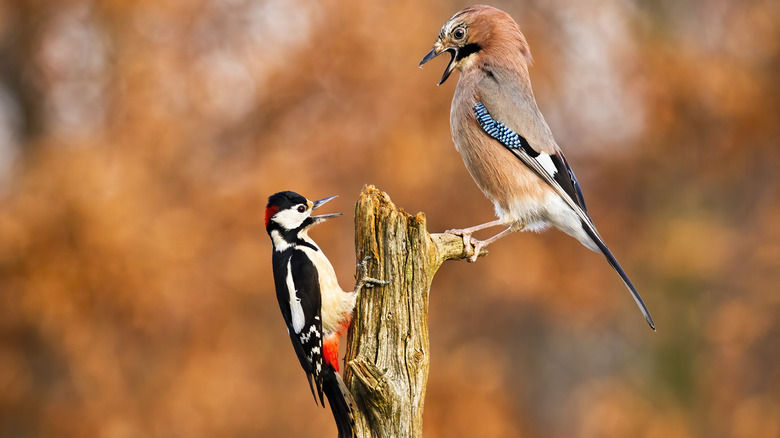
(341, 403)
(616, 266)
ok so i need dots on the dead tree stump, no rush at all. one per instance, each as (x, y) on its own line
(387, 356)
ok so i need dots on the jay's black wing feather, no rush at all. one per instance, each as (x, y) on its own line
(558, 175)
(556, 172)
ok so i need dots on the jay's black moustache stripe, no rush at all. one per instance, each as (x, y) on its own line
(467, 50)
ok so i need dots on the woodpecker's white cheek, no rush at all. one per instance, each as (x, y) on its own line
(296, 310)
(290, 219)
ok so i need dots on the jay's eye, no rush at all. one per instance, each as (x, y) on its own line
(301, 209)
(459, 33)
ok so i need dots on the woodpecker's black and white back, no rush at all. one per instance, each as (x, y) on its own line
(315, 308)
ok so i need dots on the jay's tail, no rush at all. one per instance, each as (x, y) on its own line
(341, 403)
(616, 266)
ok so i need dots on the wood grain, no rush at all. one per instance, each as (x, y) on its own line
(388, 352)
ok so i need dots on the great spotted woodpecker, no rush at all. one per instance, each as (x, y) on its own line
(315, 308)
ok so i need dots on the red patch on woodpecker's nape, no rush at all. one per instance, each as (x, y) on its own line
(330, 351)
(270, 211)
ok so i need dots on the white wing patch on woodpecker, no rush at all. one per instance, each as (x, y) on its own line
(296, 310)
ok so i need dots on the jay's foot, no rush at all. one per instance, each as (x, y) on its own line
(474, 246)
(471, 245)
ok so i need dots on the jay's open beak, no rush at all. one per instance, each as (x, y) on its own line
(436, 51)
(323, 217)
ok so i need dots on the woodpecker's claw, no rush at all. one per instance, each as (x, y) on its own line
(369, 282)
(365, 280)
(361, 265)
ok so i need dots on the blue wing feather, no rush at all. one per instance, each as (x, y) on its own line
(563, 175)
(563, 181)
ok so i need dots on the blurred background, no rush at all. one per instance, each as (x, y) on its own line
(139, 141)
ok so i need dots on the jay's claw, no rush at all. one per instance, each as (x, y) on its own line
(471, 245)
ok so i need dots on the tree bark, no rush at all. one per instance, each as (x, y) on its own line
(387, 355)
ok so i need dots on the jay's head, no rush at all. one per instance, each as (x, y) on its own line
(289, 211)
(479, 33)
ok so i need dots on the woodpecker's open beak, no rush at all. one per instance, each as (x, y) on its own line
(436, 51)
(323, 217)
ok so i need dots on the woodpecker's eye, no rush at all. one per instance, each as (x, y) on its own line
(459, 33)
(301, 209)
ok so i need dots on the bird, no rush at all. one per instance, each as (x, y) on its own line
(506, 144)
(315, 309)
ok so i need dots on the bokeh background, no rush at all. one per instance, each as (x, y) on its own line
(140, 139)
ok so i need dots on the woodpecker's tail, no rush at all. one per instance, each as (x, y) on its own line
(341, 403)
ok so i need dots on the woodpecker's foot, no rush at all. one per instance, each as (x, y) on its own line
(365, 281)
(369, 282)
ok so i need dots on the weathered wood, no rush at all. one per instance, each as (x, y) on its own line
(387, 346)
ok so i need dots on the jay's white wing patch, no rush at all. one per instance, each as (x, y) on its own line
(555, 171)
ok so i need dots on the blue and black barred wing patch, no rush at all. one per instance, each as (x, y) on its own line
(553, 169)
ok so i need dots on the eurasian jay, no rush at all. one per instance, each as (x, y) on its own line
(505, 142)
